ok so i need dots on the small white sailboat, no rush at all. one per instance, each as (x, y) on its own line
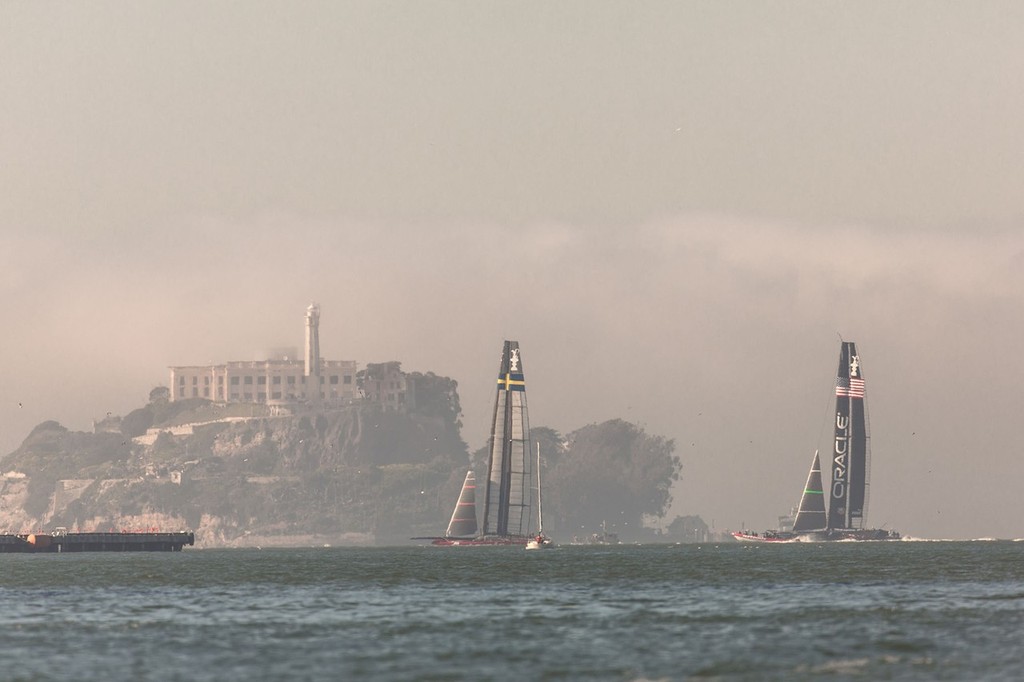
(539, 541)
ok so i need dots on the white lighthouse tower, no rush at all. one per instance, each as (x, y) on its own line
(313, 379)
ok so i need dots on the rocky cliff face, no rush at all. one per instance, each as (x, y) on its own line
(358, 474)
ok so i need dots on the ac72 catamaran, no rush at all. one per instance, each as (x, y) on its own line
(508, 496)
(847, 493)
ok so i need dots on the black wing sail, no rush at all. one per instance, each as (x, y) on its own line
(811, 513)
(463, 522)
(509, 467)
(849, 453)
(858, 443)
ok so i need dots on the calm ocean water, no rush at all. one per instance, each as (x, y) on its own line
(871, 611)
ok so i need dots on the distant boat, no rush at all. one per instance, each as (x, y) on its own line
(539, 541)
(602, 538)
(847, 494)
(508, 503)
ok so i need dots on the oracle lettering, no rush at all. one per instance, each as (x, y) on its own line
(839, 460)
(838, 489)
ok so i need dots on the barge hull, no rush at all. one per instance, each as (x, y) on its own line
(96, 542)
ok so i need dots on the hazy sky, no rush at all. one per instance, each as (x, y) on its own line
(676, 208)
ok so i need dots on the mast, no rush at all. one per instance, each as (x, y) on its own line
(507, 506)
(811, 513)
(540, 513)
(849, 453)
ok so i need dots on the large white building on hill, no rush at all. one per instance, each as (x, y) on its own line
(284, 378)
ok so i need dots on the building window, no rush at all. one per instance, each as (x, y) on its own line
(220, 381)
(234, 396)
(334, 378)
(234, 381)
(181, 392)
(181, 381)
(277, 381)
(276, 395)
(262, 381)
(195, 380)
(206, 391)
(248, 381)
(261, 397)
(248, 397)
(291, 381)
(195, 392)
(206, 381)
(348, 378)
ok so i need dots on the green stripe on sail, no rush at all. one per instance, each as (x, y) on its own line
(813, 492)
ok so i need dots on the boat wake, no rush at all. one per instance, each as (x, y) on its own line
(908, 538)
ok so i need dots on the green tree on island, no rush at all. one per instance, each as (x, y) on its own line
(612, 472)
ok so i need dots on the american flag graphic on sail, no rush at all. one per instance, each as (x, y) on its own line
(852, 388)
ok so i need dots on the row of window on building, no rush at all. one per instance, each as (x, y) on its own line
(262, 380)
(260, 397)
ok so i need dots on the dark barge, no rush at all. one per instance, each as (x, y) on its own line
(62, 541)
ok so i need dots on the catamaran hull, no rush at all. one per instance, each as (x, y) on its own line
(773, 538)
(860, 535)
(847, 535)
(474, 542)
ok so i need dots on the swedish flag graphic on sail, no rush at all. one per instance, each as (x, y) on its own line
(512, 382)
(511, 377)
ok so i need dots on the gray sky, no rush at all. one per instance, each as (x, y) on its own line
(676, 208)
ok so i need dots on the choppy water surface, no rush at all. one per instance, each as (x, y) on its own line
(894, 611)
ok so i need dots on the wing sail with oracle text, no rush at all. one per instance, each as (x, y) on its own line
(849, 460)
(508, 496)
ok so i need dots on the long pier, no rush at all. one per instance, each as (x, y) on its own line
(97, 542)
